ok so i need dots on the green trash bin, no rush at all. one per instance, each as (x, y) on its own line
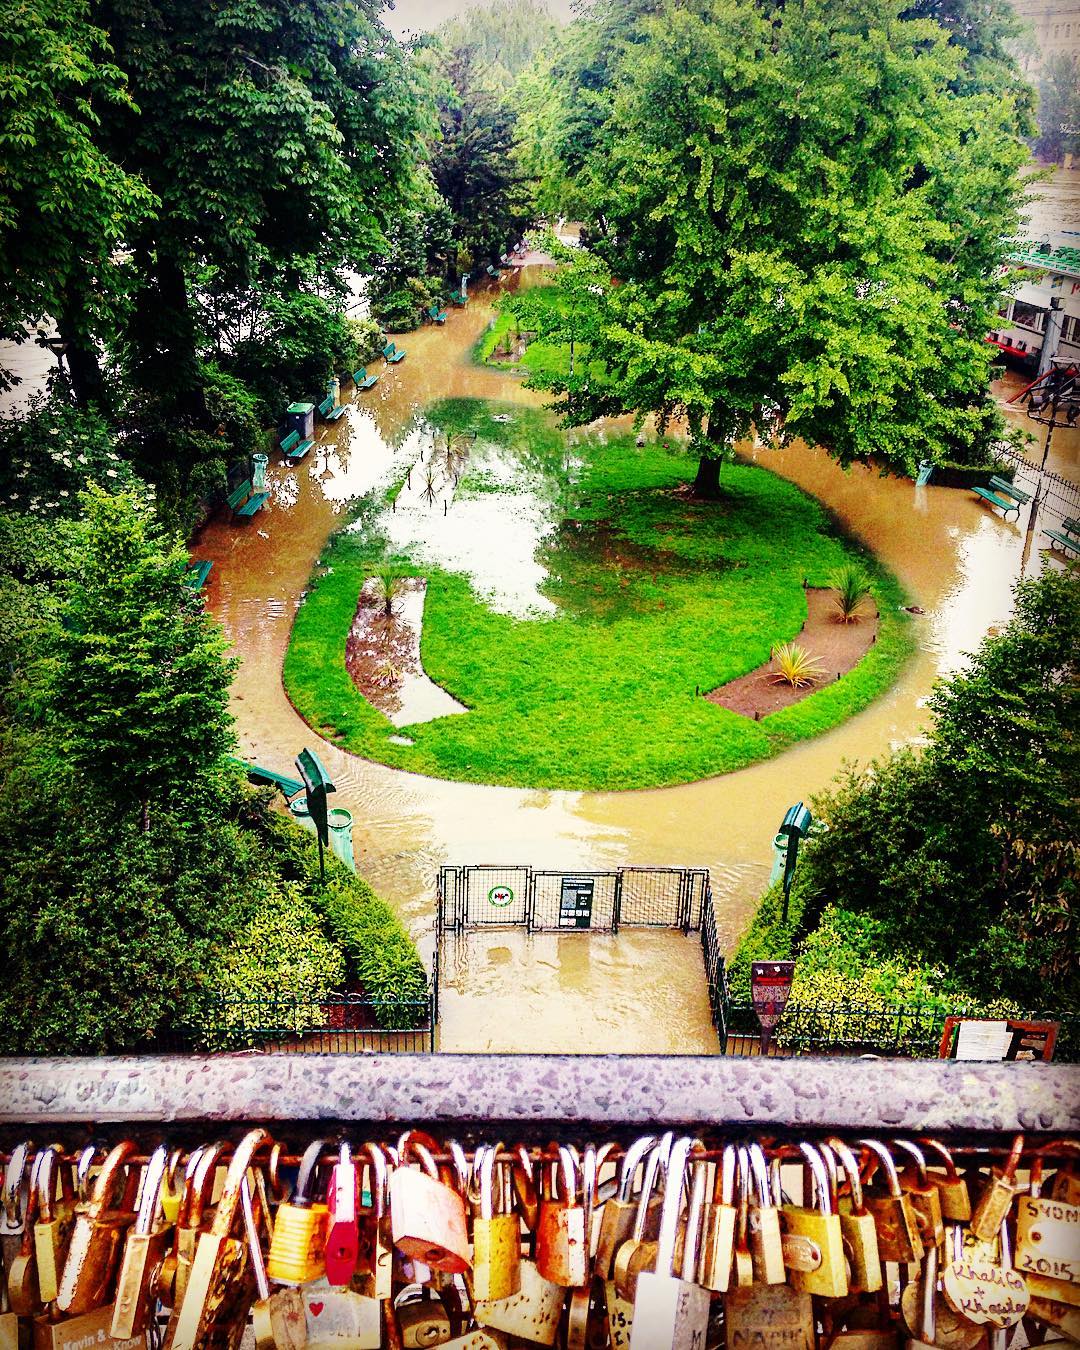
(340, 822)
(298, 809)
(779, 857)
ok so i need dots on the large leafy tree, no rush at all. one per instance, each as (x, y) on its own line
(65, 205)
(505, 36)
(803, 219)
(277, 138)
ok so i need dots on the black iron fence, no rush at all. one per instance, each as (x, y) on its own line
(1059, 498)
(332, 1023)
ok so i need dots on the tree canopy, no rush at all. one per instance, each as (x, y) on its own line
(802, 218)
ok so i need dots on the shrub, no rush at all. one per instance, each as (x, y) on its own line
(302, 343)
(369, 339)
(794, 666)
(852, 589)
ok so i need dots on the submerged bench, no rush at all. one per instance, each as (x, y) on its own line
(456, 298)
(330, 410)
(245, 501)
(1068, 537)
(437, 315)
(270, 778)
(492, 271)
(293, 448)
(363, 380)
(392, 353)
(1002, 494)
(197, 572)
(926, 470)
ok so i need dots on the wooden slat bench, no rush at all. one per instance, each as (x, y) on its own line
(245, 501)
(293, 448)
(393, 353)
(331, 411)
(363, 380)
(1004, 495)
(270, 778)
(437, 315)
(1068, 537)
(456, 298)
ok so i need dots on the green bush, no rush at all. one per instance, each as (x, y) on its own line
(369, 338)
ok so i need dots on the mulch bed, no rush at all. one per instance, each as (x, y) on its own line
(837, 648)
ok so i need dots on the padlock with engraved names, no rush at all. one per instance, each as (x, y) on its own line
(925, 1196)
(857, 1226)
(995, 1202)
(55, 1220)
(989, 1293)
(669, 1310)
(952, 1331)
(53, 1332)
(297, 1248)
(101, 1225)
(148, 1243)
(221, 1287)
(427, 1215)
(768, 1317)
(342, 1241)
(894, 1216)
(822, 1226)
(277, 1316)
(1048, 1242)
(617, 1218)
(496, 1265)
(763, 1222)
(561, 1249)
(720, 1220)
(953, 1189)
(375, 1259)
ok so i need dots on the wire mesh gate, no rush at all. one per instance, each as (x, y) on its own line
(540, 901)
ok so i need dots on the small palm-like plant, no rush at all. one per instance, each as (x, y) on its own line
(389, 584)
(430, 490)
(794, 666)
(388, 674)
(852, 588)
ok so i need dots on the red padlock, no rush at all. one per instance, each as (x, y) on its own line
(343, 1233)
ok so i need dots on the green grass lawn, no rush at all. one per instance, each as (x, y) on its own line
(655, 595)
(541, 358)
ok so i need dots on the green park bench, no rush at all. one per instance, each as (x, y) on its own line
(492, 271)
(331, 411)
(1004, 495)
(363, 380)
(245, 501)
(1068, 537)
(196, 572)
(926, 472)
(269, 777)
(437, 315)
(456, 298)
(392, 353)
(293, 448)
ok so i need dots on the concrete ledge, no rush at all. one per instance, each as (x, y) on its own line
(527, 1092)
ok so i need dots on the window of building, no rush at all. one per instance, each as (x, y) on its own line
(1029, 316)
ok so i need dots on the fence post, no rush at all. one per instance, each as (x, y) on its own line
(530, 898)
(616, 902)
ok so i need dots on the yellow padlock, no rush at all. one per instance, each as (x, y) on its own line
(857, 1226)
(297, 1249)
(822, 1227)
(496, 1271)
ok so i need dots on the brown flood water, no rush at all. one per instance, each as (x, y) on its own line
(642, 992)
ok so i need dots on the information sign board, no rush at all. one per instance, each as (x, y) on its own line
(576, 901)
(770, 988)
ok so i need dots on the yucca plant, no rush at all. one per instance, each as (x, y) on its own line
(852, 588)
(794, 666)
(389, 583)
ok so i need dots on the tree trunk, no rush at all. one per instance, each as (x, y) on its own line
(84, 369)
(707, 482)
(162, 334)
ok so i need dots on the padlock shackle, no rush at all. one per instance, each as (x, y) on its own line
(48, 1161)
(462, 1170)
(486, 1166)
(850, 1164)
(242, 1158)
(258, 1265)
(82, 1168)
(521, 1176)
(200, 1183)
(832, 1171)
(105, 1181)
(565, 1169)
(379, 1178)
(759, 1170)
(303, 1192)
(152, 1182)
(631, 1159)
(1013, 1160)
(672, 1206)
(916, 1153)
(943, 1154)
(927, 1291)
(724, 1182)
(648, 1182)
(14, 1182)
(820, 1175)
(888, 1166)
(695, 1213)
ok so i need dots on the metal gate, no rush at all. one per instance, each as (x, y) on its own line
(491, 896)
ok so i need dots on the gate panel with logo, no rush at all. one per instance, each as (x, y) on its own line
(495, 896)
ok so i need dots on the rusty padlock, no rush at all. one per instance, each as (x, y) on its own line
(561, 1252)
(148, 1244)
(427, 1216)
(101, 1225)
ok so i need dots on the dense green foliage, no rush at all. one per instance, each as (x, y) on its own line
(505, 36)
(956, 866)
(804, 210)
(140, 871)
(653, 596)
